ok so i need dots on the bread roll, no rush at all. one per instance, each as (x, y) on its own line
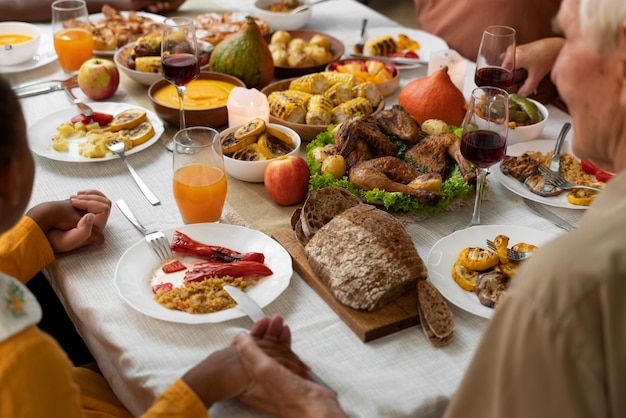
(322, 206)
(365, 257)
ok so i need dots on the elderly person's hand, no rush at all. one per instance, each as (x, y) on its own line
(275, 389)
(536, 59)
(74, 223)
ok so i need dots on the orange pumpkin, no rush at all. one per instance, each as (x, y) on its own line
(434, 97)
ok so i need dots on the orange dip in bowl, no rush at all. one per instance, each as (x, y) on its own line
(200, 94)
(13, 39)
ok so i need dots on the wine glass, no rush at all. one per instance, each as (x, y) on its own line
(73, 39)
(495, 63)
(199, 177)
(485, 130)
(179, 58)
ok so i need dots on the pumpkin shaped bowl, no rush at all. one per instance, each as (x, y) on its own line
(215, 116)
(306, 132)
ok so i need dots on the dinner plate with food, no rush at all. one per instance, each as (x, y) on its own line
(65, 135)
(470, 275)
(402, 43)
(44, 56)
(518, 172)
(113, 29)
(188, 288)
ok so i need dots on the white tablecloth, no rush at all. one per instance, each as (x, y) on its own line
(400, 375)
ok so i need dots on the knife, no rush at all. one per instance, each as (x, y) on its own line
(396, 60)
(550, 216)
(26, 90)
(555, 162)
(254, 311)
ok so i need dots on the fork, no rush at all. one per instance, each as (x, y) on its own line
(510, 253)
(156, 239)
(558, 181)
(117, 146)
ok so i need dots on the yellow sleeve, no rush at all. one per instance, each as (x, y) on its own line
(178, 400)
(36, 377)
(24, 250)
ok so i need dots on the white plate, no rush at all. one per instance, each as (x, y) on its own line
(133, 271)
(96, 17)
(40, 133)
(519, 188)
(44, 56)
(428, 42)
(445, 252)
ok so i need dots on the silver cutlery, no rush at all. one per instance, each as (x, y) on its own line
(117, 146)
(83, 107)
(396, 60)
(548, 215)
(254, 311)
(156, 239)
(510, 253)
(558, 181)
(555, 162)
(31, 89)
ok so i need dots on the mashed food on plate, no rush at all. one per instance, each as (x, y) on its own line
(202, 297)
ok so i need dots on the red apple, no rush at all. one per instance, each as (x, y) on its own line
(287, 179)
(98, 78)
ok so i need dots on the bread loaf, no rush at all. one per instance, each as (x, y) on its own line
(365, 257)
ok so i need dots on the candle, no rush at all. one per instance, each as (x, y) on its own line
(246, 104)
(457, 65)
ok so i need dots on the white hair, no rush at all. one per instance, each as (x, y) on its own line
(600, 21)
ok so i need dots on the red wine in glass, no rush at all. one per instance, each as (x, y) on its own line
(494, 76)
(180, 69)
(483, 148)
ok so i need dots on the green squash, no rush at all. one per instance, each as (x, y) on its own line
(245, 55)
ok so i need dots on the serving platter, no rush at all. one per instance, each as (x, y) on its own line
(519, 188)
(444, 253)
(134, 271)
(428, 42)
(44, 56)
(40, 133)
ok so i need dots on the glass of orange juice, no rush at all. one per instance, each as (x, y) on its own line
(199, 176)
(73, 39)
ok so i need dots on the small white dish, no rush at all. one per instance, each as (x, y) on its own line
(279, 20)
(45, 55)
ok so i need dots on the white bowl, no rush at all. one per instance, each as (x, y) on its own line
(253, 171)
(23, 51)
(529, 132)
(278, 20)
(147, 79)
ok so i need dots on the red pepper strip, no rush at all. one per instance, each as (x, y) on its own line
(172, 267)
(601, 174)
(162, 287)
(245, 269)
(181, 243)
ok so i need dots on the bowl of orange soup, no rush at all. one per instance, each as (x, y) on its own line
(19, 42)
(205, 100)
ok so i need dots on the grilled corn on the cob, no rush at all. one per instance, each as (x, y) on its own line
(319, 111)
(287, 108)
(339, 93)
(315, 83)
(148, 64)
(357, 105)
(369, 91)
(335, 77)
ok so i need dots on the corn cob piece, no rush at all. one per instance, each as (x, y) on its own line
(148, 44)
(382, 45)
(286, 108)
(369, 91)
(335, 77)
(339, 93)
(148, 64)
(298, 97)
(314, 83)
(358, 105)
(320, 110)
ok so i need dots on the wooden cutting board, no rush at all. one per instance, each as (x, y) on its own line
(367, 326)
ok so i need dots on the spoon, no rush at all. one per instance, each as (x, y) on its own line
(304, 7)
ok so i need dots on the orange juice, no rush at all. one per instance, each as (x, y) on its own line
(73, 46)
(200, 192)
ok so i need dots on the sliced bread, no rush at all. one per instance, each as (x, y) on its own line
(435, 316)
(323, 205)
